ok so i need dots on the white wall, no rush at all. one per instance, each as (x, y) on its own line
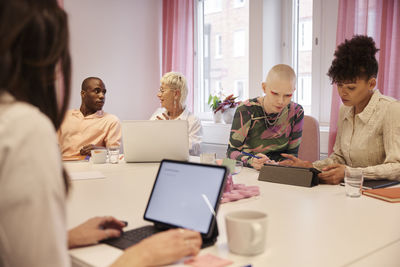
(118, 41)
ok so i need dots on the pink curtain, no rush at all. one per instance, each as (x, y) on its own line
(178, 42)
(379, 19)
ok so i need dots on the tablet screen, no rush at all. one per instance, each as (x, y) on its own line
(186, 195)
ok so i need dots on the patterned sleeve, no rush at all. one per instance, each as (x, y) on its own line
(297, 131)
(240, 128)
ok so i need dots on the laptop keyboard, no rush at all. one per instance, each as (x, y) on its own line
(132, 237)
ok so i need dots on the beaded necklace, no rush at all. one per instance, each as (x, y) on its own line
(266, 120)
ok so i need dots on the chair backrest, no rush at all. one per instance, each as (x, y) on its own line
(309, 146)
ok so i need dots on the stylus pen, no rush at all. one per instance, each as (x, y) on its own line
(251, 155)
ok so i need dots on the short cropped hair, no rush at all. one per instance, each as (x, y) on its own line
(86, 81)
(176, 81)
(354, 59)
(282, 72)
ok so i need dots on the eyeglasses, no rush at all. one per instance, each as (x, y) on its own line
(162, 90)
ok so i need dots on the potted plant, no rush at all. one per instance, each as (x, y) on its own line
(214, 103)
(228, 108)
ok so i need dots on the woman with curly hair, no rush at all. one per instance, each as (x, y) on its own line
(368, 124)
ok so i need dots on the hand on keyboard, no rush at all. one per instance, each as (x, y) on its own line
(94, 230)
(161, 248)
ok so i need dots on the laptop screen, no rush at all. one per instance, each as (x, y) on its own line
(186, 195)
(143, 141)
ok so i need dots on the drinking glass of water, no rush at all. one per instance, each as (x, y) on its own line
(238, 167)
(353, 180)
(113, 154)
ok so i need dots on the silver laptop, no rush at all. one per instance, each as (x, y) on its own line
(153, 141)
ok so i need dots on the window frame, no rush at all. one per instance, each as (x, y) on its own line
(282, 51)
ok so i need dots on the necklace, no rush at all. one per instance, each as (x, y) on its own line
(266, 120)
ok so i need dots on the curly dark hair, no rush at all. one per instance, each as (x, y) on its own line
(355, 58)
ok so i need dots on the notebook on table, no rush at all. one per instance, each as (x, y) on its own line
(152, 141)
(185, 195)
(374, 184)
(387, 194)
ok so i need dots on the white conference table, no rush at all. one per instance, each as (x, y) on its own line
(316, 226)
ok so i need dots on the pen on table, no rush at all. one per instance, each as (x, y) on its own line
(251, 155)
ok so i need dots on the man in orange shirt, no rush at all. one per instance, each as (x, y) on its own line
(89, 127)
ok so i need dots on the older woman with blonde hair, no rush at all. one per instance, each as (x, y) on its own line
(172, 95)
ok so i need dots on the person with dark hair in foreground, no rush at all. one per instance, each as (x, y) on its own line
(368, 124)
(89, 127)
(33, 182)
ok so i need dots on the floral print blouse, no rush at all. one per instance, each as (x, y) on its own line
(253, 131)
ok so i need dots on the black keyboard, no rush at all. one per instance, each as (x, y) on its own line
(132, 237)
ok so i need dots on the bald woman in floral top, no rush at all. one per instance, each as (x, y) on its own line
(270, 125)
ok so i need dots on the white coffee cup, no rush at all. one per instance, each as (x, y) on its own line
(98, 156)
(246, 232)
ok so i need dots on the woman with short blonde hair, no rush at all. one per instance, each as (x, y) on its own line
(176, 81)
(172, 95)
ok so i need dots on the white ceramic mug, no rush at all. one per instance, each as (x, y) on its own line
(98, 156)
(246, 231)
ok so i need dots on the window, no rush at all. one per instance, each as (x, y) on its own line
(212, 6)
(305, 34)
(206, 45)
(239, 43)
(218, 46)
(222, 52)
(290, 31)
(303, 28)
(239, 3)
(239, 89)
(218, 88)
